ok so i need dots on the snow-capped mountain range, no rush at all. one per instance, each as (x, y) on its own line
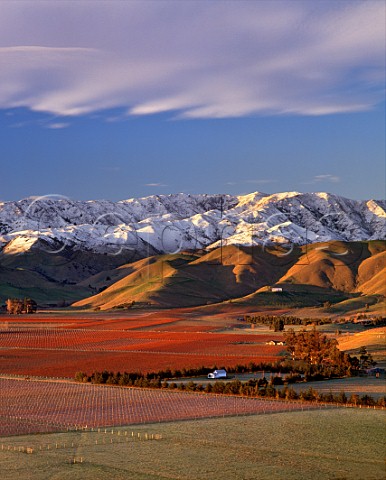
(171, 223)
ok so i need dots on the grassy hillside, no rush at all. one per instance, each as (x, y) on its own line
(347, 274)
(20, 283)
(309, 276)
(51, 278)
(324, 267)
(372, 275)
(188, 280)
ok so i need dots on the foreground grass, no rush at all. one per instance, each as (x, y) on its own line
(333, 444)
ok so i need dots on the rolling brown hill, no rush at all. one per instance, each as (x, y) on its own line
(372, 275)
(188, 279)
(308, 275)
(331, 266)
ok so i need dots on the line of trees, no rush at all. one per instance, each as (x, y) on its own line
(251, 388)
(16, 306)
(376, 321)
(277, 323)
(140, 379)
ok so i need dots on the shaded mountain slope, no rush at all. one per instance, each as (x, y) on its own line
(308, 275)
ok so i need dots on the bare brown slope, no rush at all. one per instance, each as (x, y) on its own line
(251, 267)
(185, 280)
(108, 277)
(372, 275)
(375, 336)
(231, 272)
(328, 265)
(146, 277)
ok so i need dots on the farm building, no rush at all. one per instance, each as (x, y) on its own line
(276, 289)
(218, 374)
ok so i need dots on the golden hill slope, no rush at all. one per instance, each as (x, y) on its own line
(310, 273)
(184, 280)
(331, 266)
(372, 275)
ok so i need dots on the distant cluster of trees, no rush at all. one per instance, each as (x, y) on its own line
(16, 306)
(277, 323)
(319, 355)
(376, 321)
(124, 306)
(139, 379)
(365, 360)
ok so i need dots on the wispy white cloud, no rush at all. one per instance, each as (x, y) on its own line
(56, 126)
(155, 185)
(199, 59)
(326, 178)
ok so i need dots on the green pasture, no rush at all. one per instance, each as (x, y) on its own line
(327, 444)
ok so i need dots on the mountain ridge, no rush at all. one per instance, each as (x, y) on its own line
(170, 223)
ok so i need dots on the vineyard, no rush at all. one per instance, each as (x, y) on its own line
(29, 406)
(117, 344)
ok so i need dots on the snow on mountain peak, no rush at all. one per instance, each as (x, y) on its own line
(163, 223)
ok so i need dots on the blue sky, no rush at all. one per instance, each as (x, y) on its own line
(122, 99)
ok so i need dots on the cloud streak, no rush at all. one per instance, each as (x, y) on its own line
(155, 185)
(325, 178)
(57, 126)
(195, 59)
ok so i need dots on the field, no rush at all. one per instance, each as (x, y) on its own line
(64, 405)
(104, 432)
(374, 340)
(334, 444)
(61, 345)
(375, 387)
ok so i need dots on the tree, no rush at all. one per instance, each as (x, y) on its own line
(29, 305)
(14, 306)
(81, 377)
(278, 325)
(317, 353)
(365, 359)
(341, 397)
(218, 387)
